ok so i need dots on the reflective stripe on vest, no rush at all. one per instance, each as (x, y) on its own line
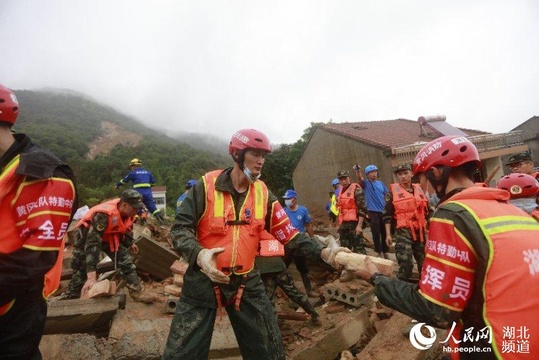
(10, 239)
(347, 204)
(333, 208)
(219, 226)
(410, 209)
(512, 237)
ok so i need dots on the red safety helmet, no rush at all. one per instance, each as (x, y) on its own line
(249, 139)
(450, 151)
(9, 106)
(519, 185)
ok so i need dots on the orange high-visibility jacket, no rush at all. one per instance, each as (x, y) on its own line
(240, 236)
(346, 203)
(116, 226)
(410, 209)
(511, 279)
(35, 215)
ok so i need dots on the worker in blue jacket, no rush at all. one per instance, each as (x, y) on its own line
(142, 180)
(188, 186)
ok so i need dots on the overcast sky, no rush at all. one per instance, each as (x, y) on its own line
(218, 66)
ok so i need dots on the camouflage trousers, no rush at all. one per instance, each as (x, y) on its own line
(124, 263)
(350, 239)
(285, 281)
(405, 248)
(255, 324)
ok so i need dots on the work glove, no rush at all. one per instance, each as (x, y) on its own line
(207, 260)
(328, 254)
(356, 167)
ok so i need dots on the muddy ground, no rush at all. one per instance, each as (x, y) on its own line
(139, 331)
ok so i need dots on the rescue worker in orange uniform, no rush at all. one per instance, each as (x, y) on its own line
(408, 207)
(351, 207)
(218, 231)
(37, 201)
(523, 189)
(481, 255)
(107, 227)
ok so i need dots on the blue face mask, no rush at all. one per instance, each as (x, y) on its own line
(524, 204)
(250, 175)
(433, 199)
(288, 202)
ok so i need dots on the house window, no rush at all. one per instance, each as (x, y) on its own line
(159, 201)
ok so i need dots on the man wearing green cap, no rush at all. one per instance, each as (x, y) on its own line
(407, 206)
(522, 163)
(351, 205)
(106, 227)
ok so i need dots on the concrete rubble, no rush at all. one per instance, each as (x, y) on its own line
(113, 326)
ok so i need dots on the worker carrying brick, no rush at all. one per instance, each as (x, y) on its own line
(142, 180)
(481, 255)
(408, 207)
(37, 201)
(107, 227)
(218, 231)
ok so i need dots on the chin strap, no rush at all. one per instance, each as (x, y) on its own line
(446, 170)
(239, 159)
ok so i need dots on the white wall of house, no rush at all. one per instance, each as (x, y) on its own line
(160, 199)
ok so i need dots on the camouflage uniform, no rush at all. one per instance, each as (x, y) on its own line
(274, 273)
(405, 246)
(255, 324)
(88, 245)
(347, 230)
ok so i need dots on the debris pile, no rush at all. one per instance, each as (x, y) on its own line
(110, 325)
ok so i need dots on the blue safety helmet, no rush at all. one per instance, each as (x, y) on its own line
(334, 182)
(289, 194)
(190, 183)
(370, 168)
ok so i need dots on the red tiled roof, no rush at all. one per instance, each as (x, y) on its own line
(159, 188)
(386, 133)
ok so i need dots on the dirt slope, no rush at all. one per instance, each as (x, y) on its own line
(112, 135)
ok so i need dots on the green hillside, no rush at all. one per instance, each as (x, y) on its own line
(71, 124)
(67, 123)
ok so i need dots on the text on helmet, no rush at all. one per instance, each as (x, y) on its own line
(244, 139)
(427, 152)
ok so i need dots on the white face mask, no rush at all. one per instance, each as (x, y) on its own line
(249, 175)
(288, 202)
